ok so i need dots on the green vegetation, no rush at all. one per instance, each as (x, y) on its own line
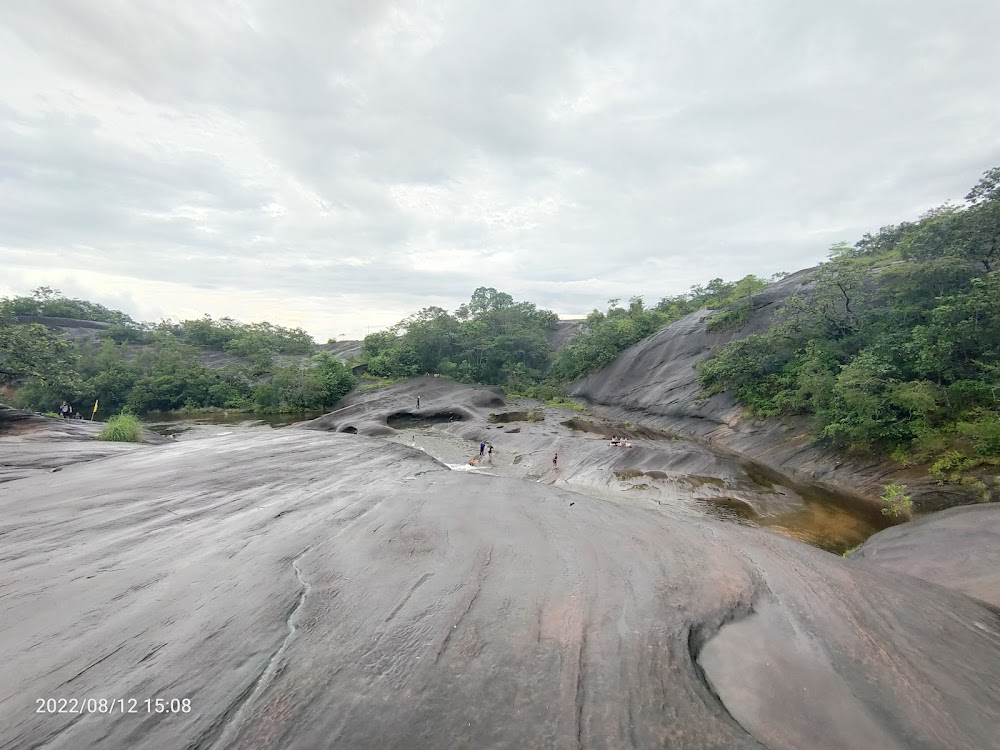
(895, 348)
(122, 428)
(608, 334)
(895, 500)
(163, 367)
(491, 340)
(51, 303)
(559, 402)
(211, 363)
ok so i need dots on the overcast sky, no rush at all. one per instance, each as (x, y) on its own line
(339, 164)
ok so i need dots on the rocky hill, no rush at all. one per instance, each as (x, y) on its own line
(655, 382)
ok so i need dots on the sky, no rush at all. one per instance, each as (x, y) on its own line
(340, 164)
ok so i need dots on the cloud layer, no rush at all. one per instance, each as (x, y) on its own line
(338, 165)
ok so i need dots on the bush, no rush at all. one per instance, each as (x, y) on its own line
(896, 501)
(950, 465)
(560, 402)
(123, 428)
(729, 319)
(984, 432)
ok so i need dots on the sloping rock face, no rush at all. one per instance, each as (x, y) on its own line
(958, 549)
(441, 400)
(563, 333)
(343, 350)
(78, 330)
(654, 382)
(660, 470)
(308, 590)
(33, 444)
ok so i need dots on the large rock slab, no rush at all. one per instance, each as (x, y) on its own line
(308, 590)
(957, 548)
(373, 412)
(34, 444)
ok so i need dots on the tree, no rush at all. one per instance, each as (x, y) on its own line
(981, 236)
(35, 352)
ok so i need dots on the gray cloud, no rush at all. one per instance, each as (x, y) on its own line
(385, 155)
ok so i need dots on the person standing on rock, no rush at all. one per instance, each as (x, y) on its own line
(418, 402)
(491, 451)
(64, 410)
(482, 449)
(555, 460)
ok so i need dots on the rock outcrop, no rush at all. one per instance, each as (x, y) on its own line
(957, 548)
(34, 444)
(301, 590)
(659, 470)
(655, 382)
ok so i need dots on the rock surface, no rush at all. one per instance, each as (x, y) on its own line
(34, 444)
(308, 590)
(654, 382)
(659, 471)
(958, 549)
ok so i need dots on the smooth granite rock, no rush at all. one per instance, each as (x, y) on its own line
(311, 590)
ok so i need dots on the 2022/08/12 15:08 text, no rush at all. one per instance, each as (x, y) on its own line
(112, 705)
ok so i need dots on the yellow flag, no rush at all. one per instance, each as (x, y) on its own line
(94, 412)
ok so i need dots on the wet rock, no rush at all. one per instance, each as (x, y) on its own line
(308, 589)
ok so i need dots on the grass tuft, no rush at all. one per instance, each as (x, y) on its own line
(122, 428)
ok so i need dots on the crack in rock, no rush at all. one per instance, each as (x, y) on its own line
(224, 730)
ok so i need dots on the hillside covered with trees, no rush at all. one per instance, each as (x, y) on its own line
(193, 364)
(896, 346)
(493, 340)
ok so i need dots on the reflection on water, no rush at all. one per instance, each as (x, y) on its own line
(829, 522)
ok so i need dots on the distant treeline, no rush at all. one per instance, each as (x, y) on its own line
(493, 339)
(193, 364)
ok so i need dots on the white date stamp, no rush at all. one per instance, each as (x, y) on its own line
(112, 706)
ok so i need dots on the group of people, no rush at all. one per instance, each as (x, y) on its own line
(485, 449)
(66, 412)
(620, 441)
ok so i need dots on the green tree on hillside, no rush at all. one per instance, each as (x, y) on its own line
(895, 346)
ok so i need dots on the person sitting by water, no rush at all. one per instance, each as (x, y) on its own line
(626, 444)
(614, 440)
